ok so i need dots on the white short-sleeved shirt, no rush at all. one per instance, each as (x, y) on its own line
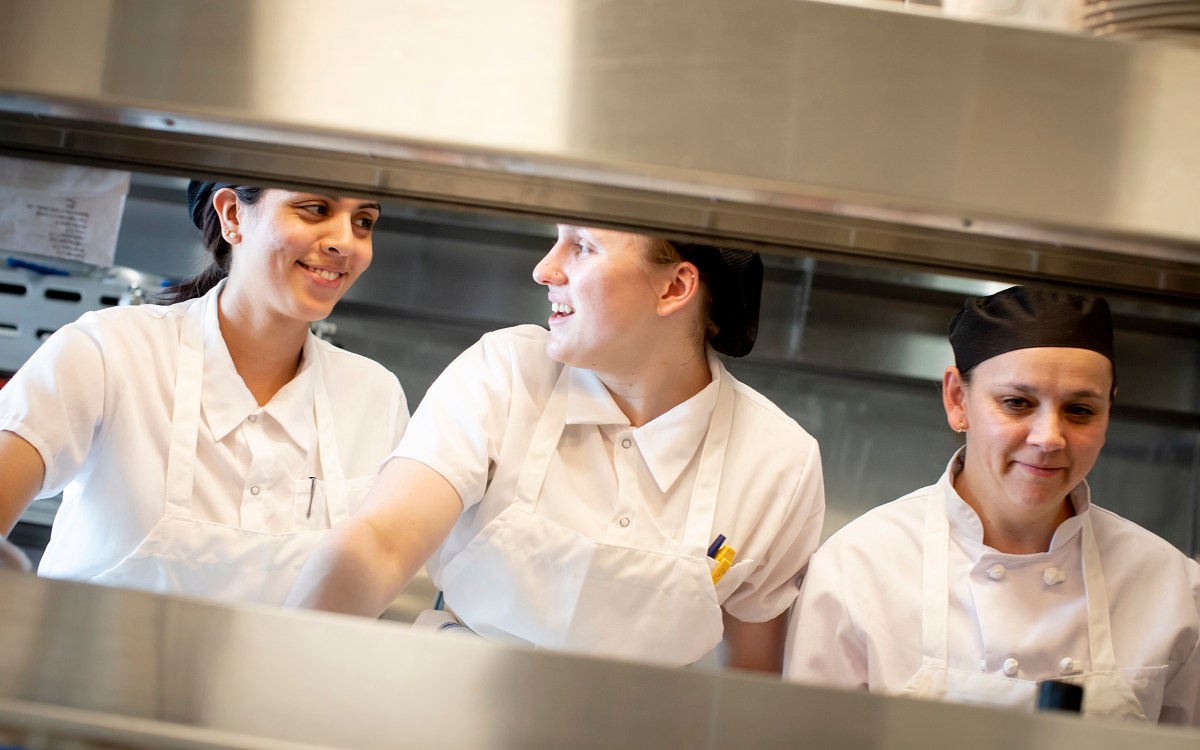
(96, 401)
(857, 623)
(623, 485)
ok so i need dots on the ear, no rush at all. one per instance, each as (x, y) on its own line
(954, 398)
(225, 203)
(679, 285)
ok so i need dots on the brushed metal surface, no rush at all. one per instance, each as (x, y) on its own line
(783, 122)
(141, 670)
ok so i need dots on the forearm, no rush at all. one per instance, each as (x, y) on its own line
(353, 571)
(363, 564)
(756, 646)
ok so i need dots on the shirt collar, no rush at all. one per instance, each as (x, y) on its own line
(226, 400)
(668, 442)
(967, 523)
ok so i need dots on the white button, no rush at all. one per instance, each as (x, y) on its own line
(254, 490)
(253, 417)
(1069, 666)
(1053, 575)
(624, 522)
(1011, 666)
(996, 572)
(626, 443)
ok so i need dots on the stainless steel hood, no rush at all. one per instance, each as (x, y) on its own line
(848, 130)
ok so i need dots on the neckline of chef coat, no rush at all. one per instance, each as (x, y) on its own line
(669, 441)
(935, 612)
(226, 400)
(966, 522)
(185, 423)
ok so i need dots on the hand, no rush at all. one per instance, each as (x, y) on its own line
(12, 558)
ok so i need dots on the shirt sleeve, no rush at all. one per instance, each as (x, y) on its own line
(55, 402)
(771, 588)
(1181, 695)
(823, 645)
(458, 428)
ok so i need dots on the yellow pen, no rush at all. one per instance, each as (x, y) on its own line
(723, 554)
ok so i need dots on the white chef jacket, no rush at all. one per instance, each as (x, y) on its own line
(96, 402)
(857, 622)
(627, 486)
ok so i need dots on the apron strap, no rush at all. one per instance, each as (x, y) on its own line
(702, 509)
(1104, 658)
(544, 444)
(185, 415)
(935, 606)
(336, 498)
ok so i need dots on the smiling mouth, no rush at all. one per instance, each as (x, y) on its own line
(558, 309)
(1044, 471)
(323, 273)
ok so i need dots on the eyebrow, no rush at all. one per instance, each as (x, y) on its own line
(334, 199)
(1022, 388)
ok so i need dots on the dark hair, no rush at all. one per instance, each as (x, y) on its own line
(205, 216)
(731, 287)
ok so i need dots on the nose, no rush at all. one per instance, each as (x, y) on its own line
(1046, 432)
(548, 271)
(340, 239)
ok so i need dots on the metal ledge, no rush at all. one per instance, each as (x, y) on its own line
(1164, 270)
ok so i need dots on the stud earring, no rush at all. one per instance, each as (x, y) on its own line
(962, 427)
(231, 235)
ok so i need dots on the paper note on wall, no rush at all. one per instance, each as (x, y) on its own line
(61, 211)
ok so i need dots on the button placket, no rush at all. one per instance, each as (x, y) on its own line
(625, 508)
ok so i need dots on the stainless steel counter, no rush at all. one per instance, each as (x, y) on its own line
(111, 668)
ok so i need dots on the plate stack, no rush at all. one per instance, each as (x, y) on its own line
(1172, 20)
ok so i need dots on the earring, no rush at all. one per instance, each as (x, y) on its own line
(231, 235)
(962, 427)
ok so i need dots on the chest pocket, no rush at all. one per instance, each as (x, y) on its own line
(317, 518)
(1148, 684)
(734, 577)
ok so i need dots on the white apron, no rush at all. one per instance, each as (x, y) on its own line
(184, 555)
(526, 577)
(1106, 693)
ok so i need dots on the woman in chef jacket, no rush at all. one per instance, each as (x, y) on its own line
(586, 487)
(204, 447)
(1003, 573)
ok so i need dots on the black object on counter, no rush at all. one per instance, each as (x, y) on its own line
(1059, 696)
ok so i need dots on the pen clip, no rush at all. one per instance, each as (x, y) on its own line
(715, 546)
(312, 489)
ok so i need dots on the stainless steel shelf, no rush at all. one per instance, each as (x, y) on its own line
(861, 132)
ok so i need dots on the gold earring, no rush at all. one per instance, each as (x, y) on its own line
(962, 427)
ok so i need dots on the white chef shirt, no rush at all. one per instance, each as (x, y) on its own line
(96, 401)
(857, 623)
(623, 485)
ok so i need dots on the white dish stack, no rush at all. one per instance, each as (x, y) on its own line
(1166, 20)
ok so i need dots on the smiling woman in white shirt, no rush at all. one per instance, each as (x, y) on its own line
(604, 486)
(1003, 574)
(203, 447)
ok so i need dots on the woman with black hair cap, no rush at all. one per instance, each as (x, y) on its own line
(204, 446)
(604, 486)
(1004, 574)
